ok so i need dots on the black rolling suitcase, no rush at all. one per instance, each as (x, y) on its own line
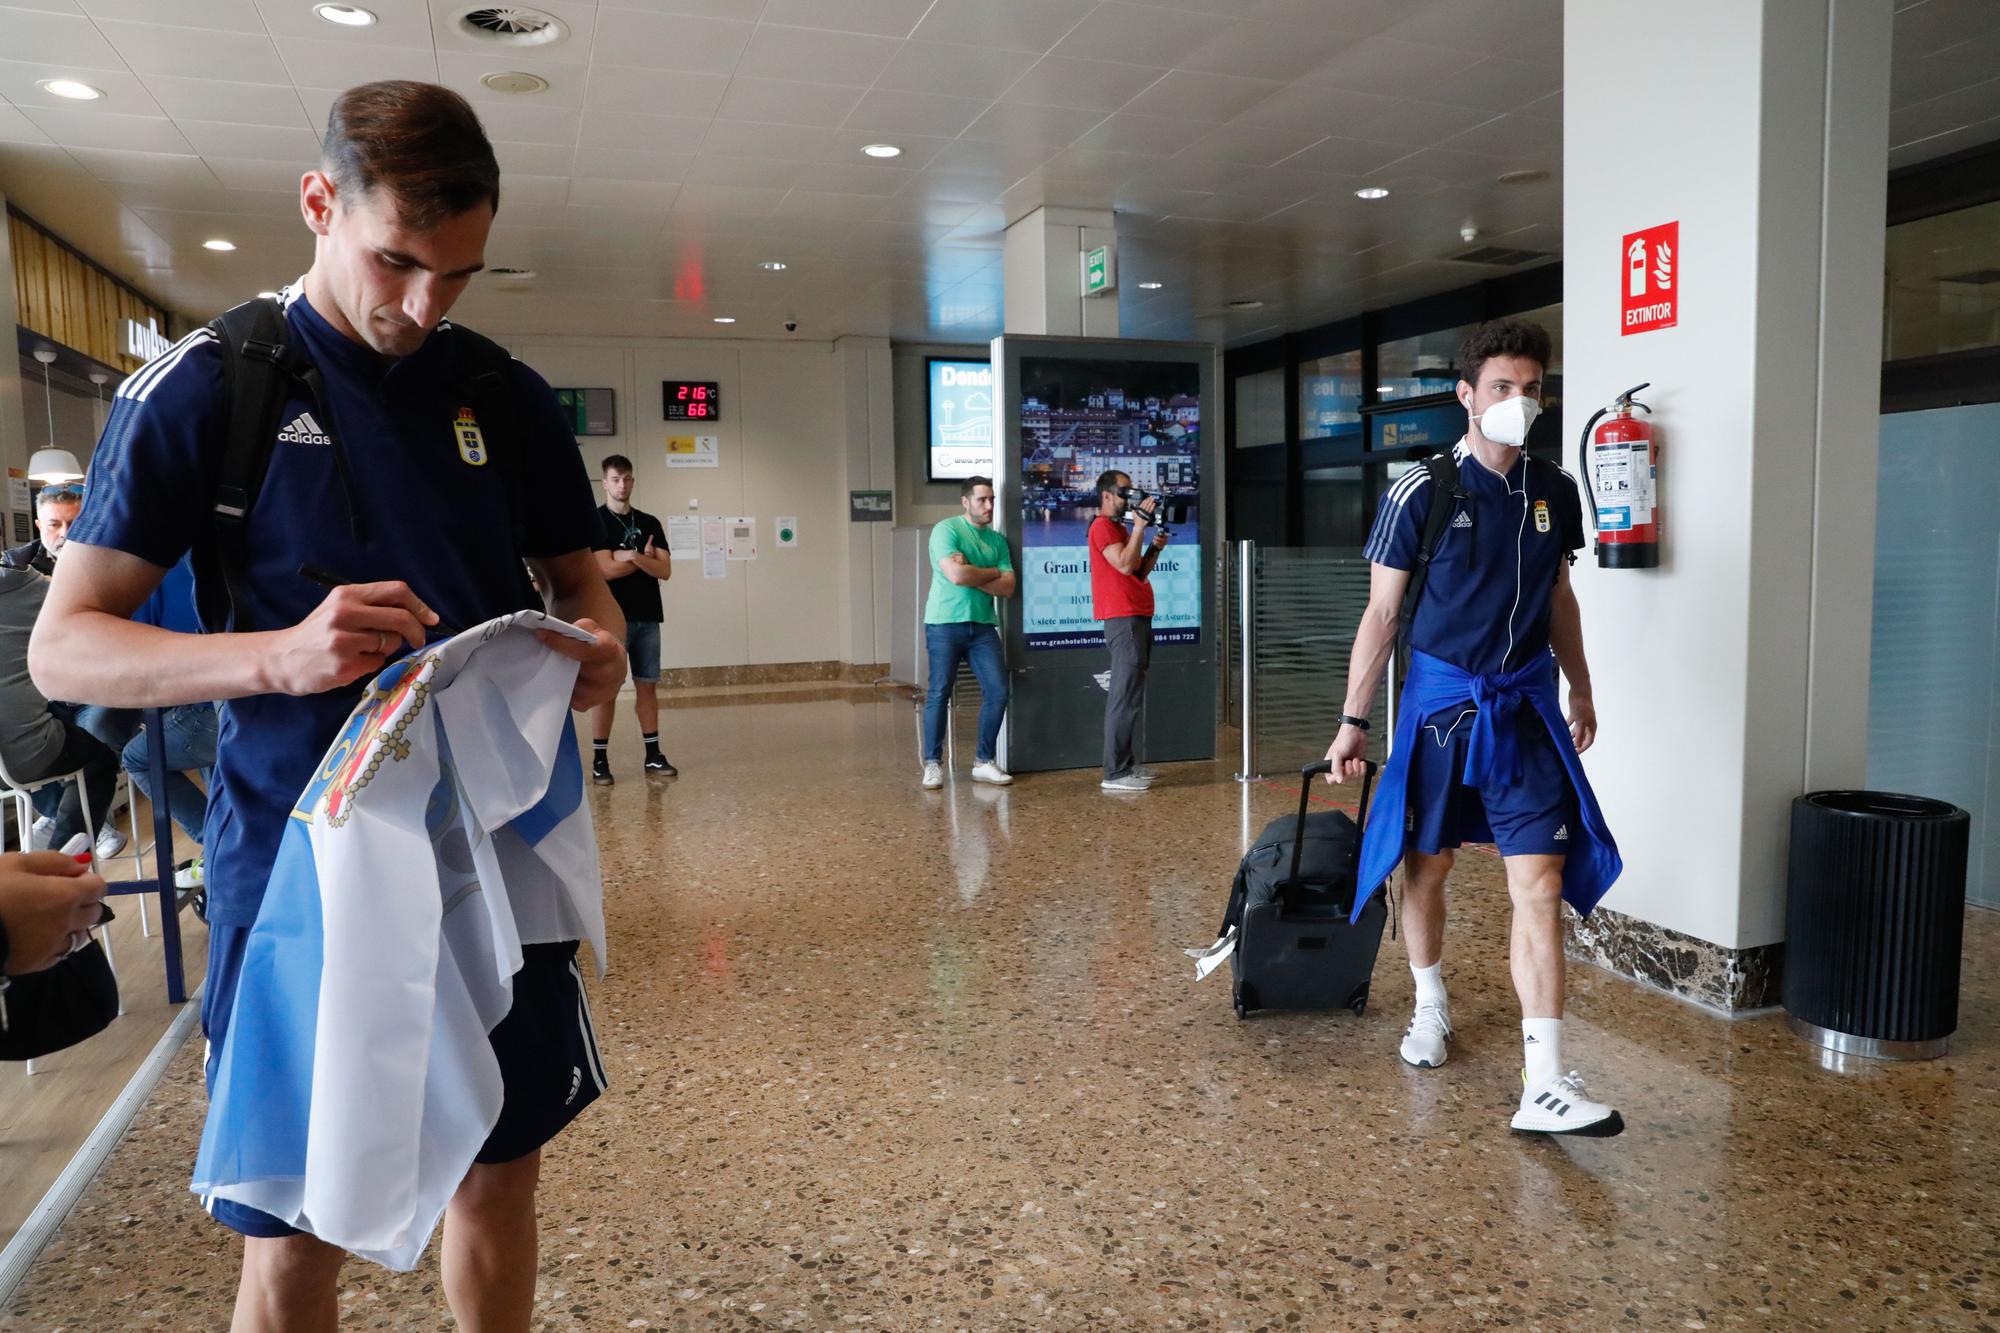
(1293, 894)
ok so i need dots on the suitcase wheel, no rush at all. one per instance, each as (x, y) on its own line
(1360, 1005)
(1246, 1000)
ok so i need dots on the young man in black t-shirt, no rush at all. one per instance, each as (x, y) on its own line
(632, 554)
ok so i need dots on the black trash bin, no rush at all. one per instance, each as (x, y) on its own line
(1874, 917)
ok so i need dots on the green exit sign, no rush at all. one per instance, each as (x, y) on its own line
(1099, 271)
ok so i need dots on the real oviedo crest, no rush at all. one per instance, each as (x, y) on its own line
(471, 444)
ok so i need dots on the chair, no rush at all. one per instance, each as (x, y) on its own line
(19, 795)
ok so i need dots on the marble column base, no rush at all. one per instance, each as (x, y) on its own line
(1729, 981)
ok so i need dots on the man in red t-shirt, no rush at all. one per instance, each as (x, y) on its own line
(1123, 600)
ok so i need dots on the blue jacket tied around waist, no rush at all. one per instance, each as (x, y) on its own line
(1492, 755)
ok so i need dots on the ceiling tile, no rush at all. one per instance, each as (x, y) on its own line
(17, 128)
(1014, 25)
(779, 102)
(56, 39)
(883, 18)
(670, 41)
(88, 129)
(587, 192)
(889, 113)
(398, 24)
(696, 198)
(1140, 34)
(1516, 140)
(819, 204)
(955, 71)
(1345, 157)
(215, 99)
(626, 164)
(532, 159)
(649, 134)
(1516, 28)
(856, 178)
(341, 65)
(744, 172)
(1144, 134)
(461, 71)
(231, 15)
(1268, 50)
(124, 94)
(654, 93)
(155, 48)
(1251, 144)
(259, 174)
(1078, 162)
(1214, 98)
(1007, 162)
(1097, 85)
(1389, 68)
(111, 164)
(529, 122)
(1495, 84)
(790, 143)
(811, 56)
(1047, 127)
(272, 142)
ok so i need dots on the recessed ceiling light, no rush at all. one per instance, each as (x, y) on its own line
(1371, 192)
(70, 88)
(772, 265)
(506, 274)
(267, 296)
(347, 16)
(1246, 305)
(514, 81)
(1527, 176)
(1150, 286)
(882, 150)
(725, 319)
(219, 245)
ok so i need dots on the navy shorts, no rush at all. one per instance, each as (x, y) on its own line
(547, 1047)
(1533, 817)
(642, 649)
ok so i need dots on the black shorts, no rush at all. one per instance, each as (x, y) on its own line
(546, 1045)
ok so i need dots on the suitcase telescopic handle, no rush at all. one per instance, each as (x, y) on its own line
(1306, 776)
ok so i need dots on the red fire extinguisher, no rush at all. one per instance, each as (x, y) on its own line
(1621, 467)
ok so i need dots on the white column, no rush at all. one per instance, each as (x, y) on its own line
(864, 369)
(1735, 676)
(1043, 273)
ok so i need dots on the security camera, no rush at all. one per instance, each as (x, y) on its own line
(791, 326)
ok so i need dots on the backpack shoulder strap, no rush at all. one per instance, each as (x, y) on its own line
(1445, 491)
(258, 368)
(483, 371)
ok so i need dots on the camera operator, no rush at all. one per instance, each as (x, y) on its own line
(1121, 597)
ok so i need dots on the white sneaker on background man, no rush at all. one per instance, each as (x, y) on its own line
(933, 776)
(991, 771)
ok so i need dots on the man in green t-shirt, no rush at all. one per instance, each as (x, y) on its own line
(971, 565)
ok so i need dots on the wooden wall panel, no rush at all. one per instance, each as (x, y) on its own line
(66, 298)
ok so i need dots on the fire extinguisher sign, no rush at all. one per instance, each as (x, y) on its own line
(1649, 279)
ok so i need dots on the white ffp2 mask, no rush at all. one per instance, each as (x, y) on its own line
(1507, 421)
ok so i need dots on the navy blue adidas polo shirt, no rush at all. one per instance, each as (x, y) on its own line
(425, 509)
(1492, 580)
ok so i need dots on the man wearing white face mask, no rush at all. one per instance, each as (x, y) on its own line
(1470, 555)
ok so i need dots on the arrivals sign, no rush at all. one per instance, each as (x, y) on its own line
(1649, 279)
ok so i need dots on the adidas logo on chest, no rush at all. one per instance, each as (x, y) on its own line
(302, 429)
(1461, 520)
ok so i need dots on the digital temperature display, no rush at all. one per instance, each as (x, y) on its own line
(693, 400)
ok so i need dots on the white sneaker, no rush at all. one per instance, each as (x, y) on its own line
(191, 876)
(110, 842)
(933, 776)
(1559, 1107)
(1130, 782)
(43, 833)
(991, 771)
(1424, 1040)
(1144, 774)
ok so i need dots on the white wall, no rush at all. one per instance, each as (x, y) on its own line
(793, 413)
(1735, 676)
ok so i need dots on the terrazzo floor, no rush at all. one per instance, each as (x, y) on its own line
(888, 1059)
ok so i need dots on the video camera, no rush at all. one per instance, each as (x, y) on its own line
(1164, 511)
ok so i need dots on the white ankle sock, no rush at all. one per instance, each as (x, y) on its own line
(1541, 1041)
(1430, 983)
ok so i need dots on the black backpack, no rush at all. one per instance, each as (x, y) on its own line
(261, 369)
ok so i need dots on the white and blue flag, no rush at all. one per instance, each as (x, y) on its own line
(445, 829)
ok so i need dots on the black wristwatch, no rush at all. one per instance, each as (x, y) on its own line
(1349, 720)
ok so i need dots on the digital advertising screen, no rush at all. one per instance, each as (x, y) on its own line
(960, 394)
(1081, 418)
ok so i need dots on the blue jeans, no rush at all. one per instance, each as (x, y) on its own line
(190, 740)
(948, 645)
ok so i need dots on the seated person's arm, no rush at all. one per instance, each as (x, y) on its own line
(86, 647)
